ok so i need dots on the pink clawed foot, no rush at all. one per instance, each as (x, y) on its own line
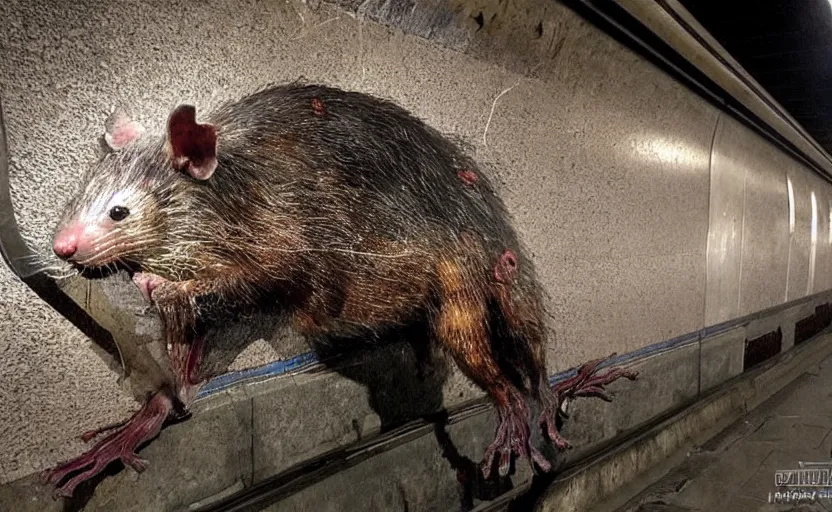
(585, 383)
(121, 444)
(548, 422)
(513, 438)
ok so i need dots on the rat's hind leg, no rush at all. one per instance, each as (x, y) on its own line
(461, 327)
(523, 313)
(144, 425)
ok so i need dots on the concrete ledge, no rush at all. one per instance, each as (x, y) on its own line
(721, 358)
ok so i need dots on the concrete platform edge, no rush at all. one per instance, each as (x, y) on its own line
(591, 486)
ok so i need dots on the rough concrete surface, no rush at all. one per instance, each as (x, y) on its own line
(248, 434)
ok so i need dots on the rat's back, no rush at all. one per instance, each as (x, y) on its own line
(360, 157)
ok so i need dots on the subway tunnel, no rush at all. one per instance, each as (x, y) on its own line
(670, 179)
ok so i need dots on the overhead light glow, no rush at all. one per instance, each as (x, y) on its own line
(666, 151)
(791, 204)
(813, 246)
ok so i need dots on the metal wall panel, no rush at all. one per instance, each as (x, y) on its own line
(818, 235)
(622, 167)
(799, 249)
(765, 246)
(823, 266)
(727, 202)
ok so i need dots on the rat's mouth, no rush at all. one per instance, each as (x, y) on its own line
(103, 271)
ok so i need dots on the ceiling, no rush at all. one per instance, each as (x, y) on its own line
(786, 45)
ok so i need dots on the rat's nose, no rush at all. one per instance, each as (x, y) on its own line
(65, 245)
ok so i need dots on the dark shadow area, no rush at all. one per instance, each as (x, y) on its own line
(813, 324)
(403, 376)
(528, 500)
(472, 485)
(401, 371)
(761, 348)
(47, 289)
(85, 491)
(233, 335)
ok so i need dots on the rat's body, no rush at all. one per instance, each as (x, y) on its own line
(344, 211)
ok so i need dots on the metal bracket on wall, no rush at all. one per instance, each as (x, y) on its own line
(19, 258)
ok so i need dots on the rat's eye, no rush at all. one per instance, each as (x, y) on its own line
(118, 213)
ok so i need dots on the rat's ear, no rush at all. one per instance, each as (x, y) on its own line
(120, 130)
(192, 147)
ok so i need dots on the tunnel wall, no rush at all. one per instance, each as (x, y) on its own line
(650, 214)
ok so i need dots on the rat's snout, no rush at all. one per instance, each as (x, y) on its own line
(65, 244)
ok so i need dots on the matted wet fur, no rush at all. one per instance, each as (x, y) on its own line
(342, 210)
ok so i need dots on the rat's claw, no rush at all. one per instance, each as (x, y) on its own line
(548, 421)
(541, 461)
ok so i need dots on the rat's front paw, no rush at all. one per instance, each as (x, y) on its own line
(151, 286)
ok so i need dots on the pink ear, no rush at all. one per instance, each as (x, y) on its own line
(192, 146)
(120, 130)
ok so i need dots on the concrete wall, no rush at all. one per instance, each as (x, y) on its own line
(649, 214)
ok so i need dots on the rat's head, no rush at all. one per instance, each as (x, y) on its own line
(117, 218)
(120, 218)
